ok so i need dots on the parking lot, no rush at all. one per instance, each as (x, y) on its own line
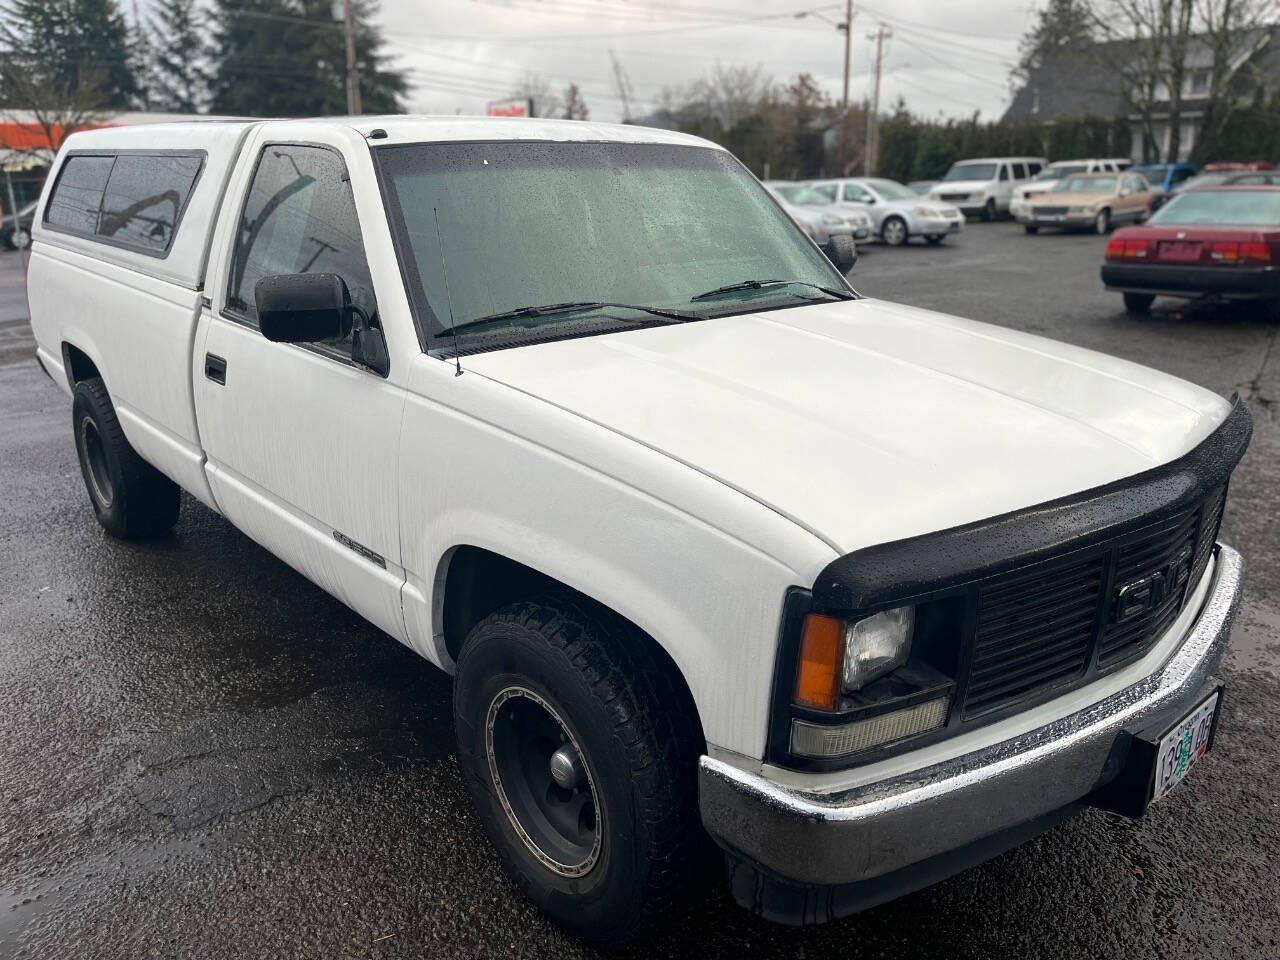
(203, 755)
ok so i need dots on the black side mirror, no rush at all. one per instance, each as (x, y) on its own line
(303, 307)
(844, 253)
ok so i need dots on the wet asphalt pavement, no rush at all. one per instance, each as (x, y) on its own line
(202, 755)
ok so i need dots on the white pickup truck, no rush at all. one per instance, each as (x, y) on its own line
(711, 544)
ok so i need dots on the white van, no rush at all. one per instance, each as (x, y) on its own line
(984, 187)
(711, 544)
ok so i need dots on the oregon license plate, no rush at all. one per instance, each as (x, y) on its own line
(1182, 747)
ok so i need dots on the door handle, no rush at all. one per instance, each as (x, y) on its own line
(215, 368)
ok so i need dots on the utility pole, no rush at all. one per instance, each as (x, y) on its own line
(881, 34)
(847, 27)
(353, 70)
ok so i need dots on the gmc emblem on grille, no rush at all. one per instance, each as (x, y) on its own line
(1142, 596)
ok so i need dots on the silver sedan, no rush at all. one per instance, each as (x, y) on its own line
(817, 215)
(897, 211)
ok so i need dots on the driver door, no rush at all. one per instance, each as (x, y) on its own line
(301, 440)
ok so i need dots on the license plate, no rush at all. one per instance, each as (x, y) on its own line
(1182, 747)
(1182, 250)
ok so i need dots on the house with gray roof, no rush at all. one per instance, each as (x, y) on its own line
(1092, 81)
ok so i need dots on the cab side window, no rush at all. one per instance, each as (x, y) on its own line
(1004, 171)
(299, 217)
(1019, 171)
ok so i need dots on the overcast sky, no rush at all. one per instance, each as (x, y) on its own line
(948, 57)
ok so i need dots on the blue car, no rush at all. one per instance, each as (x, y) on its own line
(1167, 176)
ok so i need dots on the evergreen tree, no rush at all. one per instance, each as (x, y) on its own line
(180, 64)
(1061, 27)
(71, 49)
(288, 58)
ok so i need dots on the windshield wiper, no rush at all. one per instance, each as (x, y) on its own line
(573, 306)
(758, 284)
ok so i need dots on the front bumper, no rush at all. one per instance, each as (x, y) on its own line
(1076, 220)
(804, 856)
(1226, 282)
(930, 226)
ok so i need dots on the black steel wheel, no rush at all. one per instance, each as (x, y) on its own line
(580, 749)
(130, 497)
(542, 782)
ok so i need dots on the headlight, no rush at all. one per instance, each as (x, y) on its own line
(831, 220)
(926, 212)
(877, 645)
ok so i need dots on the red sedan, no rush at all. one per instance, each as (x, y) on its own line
(1219, 242)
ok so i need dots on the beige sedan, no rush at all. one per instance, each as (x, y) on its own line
(1094, 201)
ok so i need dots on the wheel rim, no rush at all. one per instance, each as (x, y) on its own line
(21, 239)
(894, 232)
(1101, 223)
(542, 781)
(95, 456)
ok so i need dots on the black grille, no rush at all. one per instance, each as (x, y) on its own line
(1050, 211)
(1057, 622)
(954, 197)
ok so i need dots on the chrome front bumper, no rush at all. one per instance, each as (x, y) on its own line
(832, 839)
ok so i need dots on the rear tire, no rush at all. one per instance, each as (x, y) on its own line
(558, 669)
(1138, 303)
(130, 497)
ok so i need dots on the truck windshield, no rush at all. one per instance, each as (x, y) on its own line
(529, 224)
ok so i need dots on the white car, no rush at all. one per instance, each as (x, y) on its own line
(898, 212)
(709, 543)
(985, 187)
(1048, 178)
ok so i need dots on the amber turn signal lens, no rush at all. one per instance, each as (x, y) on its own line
(818, 673)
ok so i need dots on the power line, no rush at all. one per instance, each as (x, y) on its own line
(950, 66)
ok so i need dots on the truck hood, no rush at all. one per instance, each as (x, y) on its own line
(866, 422)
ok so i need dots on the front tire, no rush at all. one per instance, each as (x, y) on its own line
(933, 239)
(130, 497)
(1031, 228)
(894, 231)
(989, 211)
(1102, 222)
(581, 755)
(1138, 303)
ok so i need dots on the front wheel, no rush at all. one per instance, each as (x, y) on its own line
(18, 239)
(1031, 228)
(1102, 222)
(1138, 303)
(581, 756)
(130, 497)
(894, 231)
(989, 210)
